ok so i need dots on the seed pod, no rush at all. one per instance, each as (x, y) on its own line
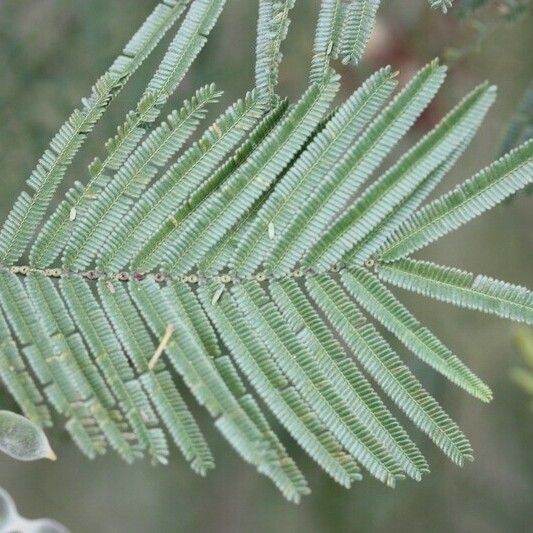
(22, 439)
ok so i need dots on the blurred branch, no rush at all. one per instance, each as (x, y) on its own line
(485, 18)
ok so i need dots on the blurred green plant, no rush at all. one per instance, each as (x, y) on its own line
(520, 130)
(484, 19)
(523, 375)
(507, 9)
(251, 252)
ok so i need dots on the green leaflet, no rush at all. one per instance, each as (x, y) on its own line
(327, 36)
(99, 220)
(272, 26)
(461, 288)
(137, 343)
(282, 398)
(300, 367)
(358, 23)
(341, 370)
(387, 369)
(101, 339)
(383, 306)
(18, 381)
(181, 250)
(178, 306)
(341, 182)
(28, 211)
(294, 188)
(385, 194)
(139, 231)
(468, 200)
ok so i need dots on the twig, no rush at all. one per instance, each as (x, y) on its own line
(162, 345)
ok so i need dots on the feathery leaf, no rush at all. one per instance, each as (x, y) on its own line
(461, 288)
(468, 200)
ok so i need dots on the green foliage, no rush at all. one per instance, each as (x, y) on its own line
(238, 264)
(523, 375)
(510, 9)
(485, 19)
(521, 128)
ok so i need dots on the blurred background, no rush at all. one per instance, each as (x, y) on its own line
(51, 51)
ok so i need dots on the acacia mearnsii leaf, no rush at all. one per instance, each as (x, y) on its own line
(399, 181)
(301, 368)
(137, 232)
(272, 26)
(136, 341)
(18, 381)
(93, 324)
(461, 288)
(359, 18)
(345, 177)
(384, 365)
(306, 172)
(373, 296)
(345, 377)
(180, 250)
(282, 398)
(469, 199)
(29, 210)
(178, 307)
(113, 202)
